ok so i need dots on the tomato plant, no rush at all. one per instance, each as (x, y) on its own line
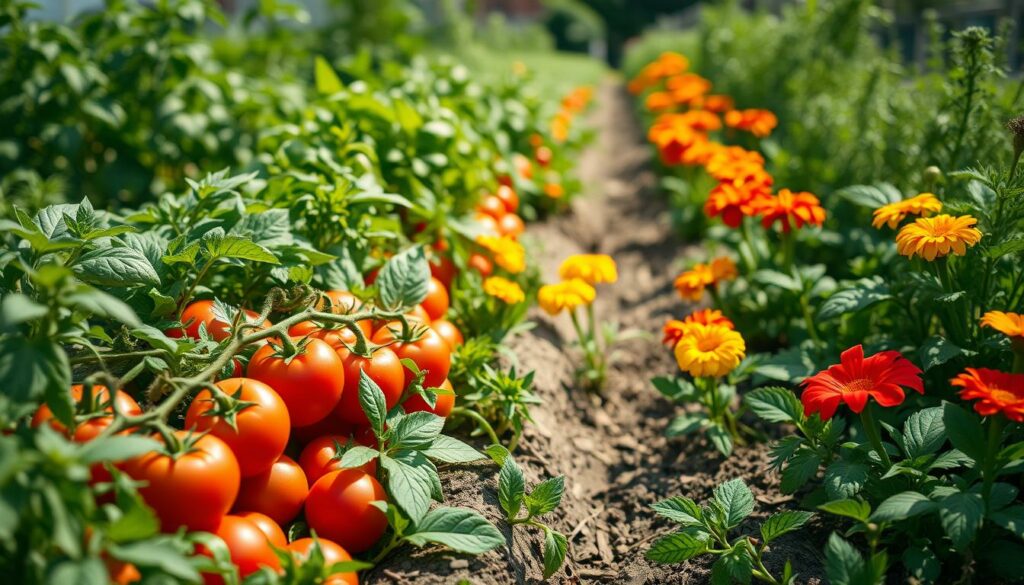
(340, 507)
(248, 545)
(424, 347)
(306, 373)
(278, 492)
(384, 367)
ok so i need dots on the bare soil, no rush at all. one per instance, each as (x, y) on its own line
(612, 448)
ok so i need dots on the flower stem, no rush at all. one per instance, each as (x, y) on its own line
(480, 420)
(871, 430)
(988, 470)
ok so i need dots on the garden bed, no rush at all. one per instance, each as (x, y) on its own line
(611, 449)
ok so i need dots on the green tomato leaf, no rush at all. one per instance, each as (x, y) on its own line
(782, 523)
(373, 402)
(555, 547)
(680, 509)
(460, 529)
(736, 500)
(676, 548)
(511, 487)
(417, 430)
(451, 450)
(357, 456)
(409, 483)
(403, 281)
(546, 496)
(115, 267)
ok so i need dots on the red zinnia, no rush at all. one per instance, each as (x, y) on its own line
(995, 391)
(856, 378)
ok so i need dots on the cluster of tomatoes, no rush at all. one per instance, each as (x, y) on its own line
(497, 214)
(229, 472)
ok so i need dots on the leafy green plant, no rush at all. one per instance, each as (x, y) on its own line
(543, 499)
(705, 530)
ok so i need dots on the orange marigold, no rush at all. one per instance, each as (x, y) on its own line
(674, 329)
(659, 101)
(687, 88)
(790, 208)
(701, 120)
(716, 103)
(760, 123)
(996, 392)
(723, 268)
(1009, 324)
(691, 283)
(732, 202)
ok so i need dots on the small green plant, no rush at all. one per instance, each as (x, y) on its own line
(706, 531)
(542, 499)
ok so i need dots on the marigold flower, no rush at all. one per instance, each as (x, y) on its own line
(508, 253)
(935, 237)
(659, 101)
(554, 190)
(723, 268)
(709, 350)
(732, 202)
(700, 120)
(892, 214)
(691, 283)
(996, 392)
(760, 123)
(590, 268)
(555, 298)
(687, 88)
(700, 152)
(856, 378)
(504, 289)
(674, 329)
(1009, 324)
(716, 103)
(735, 163)
(790, 208)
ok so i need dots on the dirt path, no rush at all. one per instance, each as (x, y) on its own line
(611, 449)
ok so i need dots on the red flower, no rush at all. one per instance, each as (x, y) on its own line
(995, 391)
(856, 378)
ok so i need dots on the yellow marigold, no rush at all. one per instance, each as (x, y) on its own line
(691, 284)
(892, 214)
(590, 268)
(567, 295)
(1009, 324)
(709, 350)
(508, 253)
(935, 237)
(504, 289)
(673, 330)
(723, 268)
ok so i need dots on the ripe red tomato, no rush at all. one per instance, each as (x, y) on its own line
(383, 367)
(436, 302)
(269, 528)
(443, 406)
(332, 554)
(278, 492)
(318, 457)
(492, 206)
(430, 352)
(481, 264)
(339, 508)
(508, 196)
(260, 433)
(195, 489)
(443, 269)
(336, 337)
(248, 546)
(341, 301)
(199, 312)
(543, 155)
(310, 383)
(419, 314)
(448, 332)
(86, 431)
(511, 225)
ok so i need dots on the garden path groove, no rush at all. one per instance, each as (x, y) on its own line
(612, 448)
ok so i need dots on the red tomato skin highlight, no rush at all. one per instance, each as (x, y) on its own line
(278, 492)
(384, 368)
(261, 430)
(339, 508)
(206, 478)
(310, 384)
(272, 530)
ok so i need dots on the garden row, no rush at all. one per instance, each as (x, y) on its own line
(227, 377)
(864, 289)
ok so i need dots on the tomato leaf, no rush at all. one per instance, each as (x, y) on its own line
(782, 523)
(115, 267)
(546, 496)
(676, 548)
(460, 529)
(373, 402)
(358, 455)
(555, 547)
(511, 487)
(736, 500)
(102, 304)
(403, 281)
(680, 509)
(409, 483)
(417, 430)
(451, 450)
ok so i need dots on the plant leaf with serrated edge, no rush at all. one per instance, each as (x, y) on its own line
(961, 516)
(676, 548)
(409, 484)
(373, 402)
(782, 523)
(511, 487)
(555, 547)
(546, 496)
(775, 404)
(358, 456)
(736, 500)
(924, 432)
(679, 509)
(460, 529)
(403, 281)
(417, 430)
(452, 450)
